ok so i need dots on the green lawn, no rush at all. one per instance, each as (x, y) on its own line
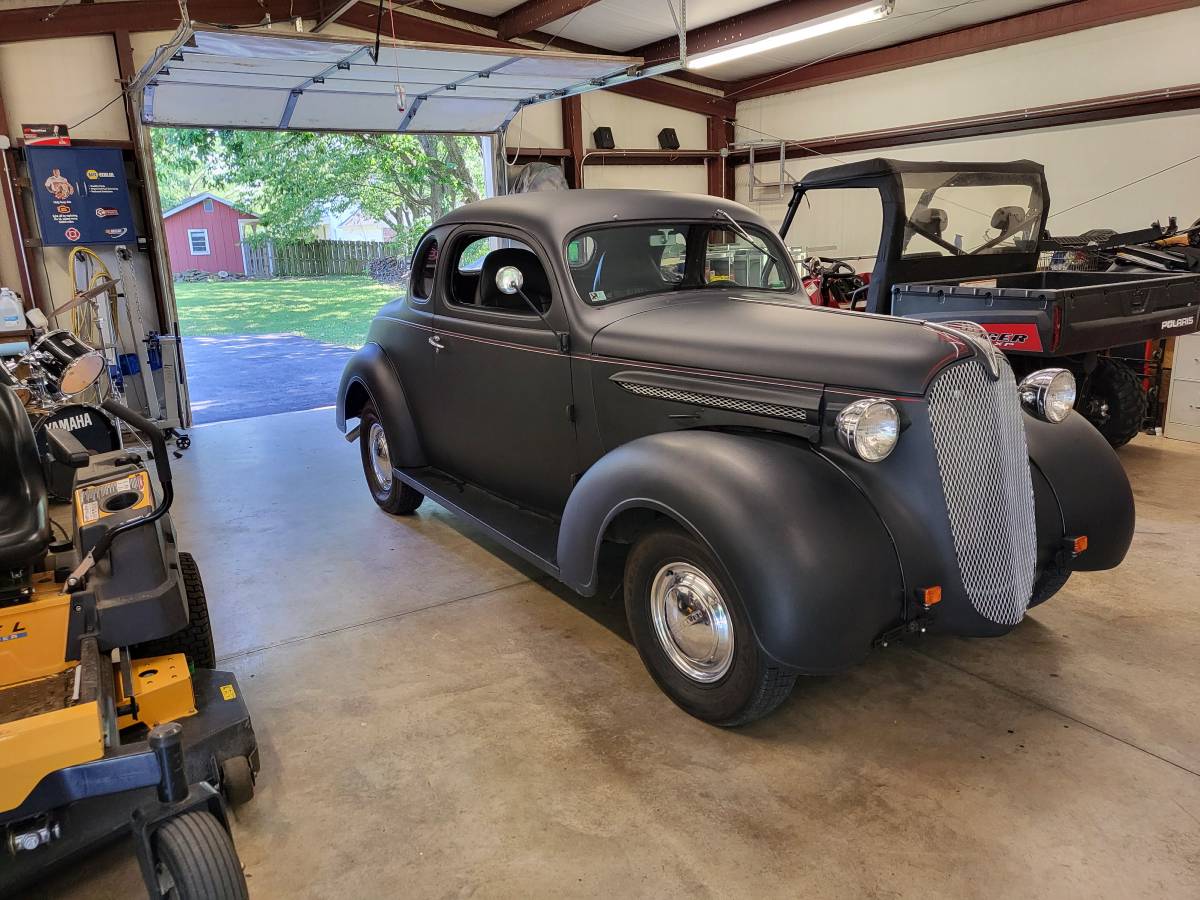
(334, 310)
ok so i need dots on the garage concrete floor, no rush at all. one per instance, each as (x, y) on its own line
(436, 720)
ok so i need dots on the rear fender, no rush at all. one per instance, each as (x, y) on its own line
(810, 558)
(369, 375)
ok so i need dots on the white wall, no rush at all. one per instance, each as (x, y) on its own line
(689, 179)
(39, 87)
(1081, 161)
(635, 124)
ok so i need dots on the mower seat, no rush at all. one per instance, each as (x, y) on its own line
(24, 502)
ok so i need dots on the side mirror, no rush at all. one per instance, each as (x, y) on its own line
(509, 279)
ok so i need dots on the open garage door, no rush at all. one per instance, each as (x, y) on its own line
(257, 79)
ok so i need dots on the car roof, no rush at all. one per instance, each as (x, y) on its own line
(880, 167)
(551, 215)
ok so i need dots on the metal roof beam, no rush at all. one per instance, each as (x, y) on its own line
(533, 14)
(333, 15)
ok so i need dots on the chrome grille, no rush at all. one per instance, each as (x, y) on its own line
(979, 438)
(754, 408)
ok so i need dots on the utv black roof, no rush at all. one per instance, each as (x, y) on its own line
(552, 215)
(881, 167)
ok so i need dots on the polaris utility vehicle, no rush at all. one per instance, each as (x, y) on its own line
(795, 483)
(962, 241)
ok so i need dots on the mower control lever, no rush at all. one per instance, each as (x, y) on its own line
(78, 578)
(158, 441)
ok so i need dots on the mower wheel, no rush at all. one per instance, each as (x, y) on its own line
(195, 859)
(194, 639)
(390, 493)
(1116, 389)
(237, 780)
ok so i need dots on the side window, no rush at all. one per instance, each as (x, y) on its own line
(424, 267)
(476, 260)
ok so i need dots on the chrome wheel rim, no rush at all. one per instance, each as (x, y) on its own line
(381, 461)
(692, 622)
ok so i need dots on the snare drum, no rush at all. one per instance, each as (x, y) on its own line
(88, 424)
(70, 365)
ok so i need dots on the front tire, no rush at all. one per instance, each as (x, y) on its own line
(693, 633)
(1115, 402)
(390, 493)
(195, 860)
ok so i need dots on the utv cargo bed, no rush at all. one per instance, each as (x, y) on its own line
(1060, 313)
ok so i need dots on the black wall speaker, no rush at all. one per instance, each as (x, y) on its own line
(602, 138)
(668, 139)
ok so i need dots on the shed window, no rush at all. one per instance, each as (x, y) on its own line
(198, 241)
(208, 205)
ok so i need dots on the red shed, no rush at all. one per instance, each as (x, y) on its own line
(205, 232)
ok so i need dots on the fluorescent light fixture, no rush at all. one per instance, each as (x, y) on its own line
(861, 14)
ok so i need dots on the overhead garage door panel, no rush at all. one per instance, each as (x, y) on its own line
(249, 79)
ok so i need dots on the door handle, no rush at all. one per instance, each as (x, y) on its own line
(436, 343)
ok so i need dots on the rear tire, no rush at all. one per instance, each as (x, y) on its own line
(195, 639)
(1118, 387)
(699, 647)
(237, 781)
(391, 494)
(196, 860)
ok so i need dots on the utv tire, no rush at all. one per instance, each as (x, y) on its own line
(1118, 386)
(1049, 584)
(390, 493)
(195, 860)
(699, 646)
(194, 639)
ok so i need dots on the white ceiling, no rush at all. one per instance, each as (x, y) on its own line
(622, 25)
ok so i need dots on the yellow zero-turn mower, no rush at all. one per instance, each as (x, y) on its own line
(112, 715)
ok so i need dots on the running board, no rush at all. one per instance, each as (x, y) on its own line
(530, 535)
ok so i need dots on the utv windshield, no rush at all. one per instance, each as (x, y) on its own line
(617, 262)
(970, 213)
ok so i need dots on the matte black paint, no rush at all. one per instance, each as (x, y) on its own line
(545, 447)
(817, 606)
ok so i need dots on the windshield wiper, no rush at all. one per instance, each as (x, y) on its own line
(755, 242)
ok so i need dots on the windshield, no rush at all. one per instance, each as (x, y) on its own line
(611, 263)
(971, 213)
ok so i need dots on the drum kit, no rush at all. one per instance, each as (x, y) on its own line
(56, 369)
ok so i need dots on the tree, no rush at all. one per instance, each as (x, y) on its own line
(291, 178)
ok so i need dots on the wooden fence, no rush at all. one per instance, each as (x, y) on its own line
(278, 259)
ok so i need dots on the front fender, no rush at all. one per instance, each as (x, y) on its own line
(812, 562)
(1090, 485)
(369, 375)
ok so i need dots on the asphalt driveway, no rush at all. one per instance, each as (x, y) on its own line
(245, 375)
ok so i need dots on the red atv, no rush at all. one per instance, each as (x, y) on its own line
(963, 241)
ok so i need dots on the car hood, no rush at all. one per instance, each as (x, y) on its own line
(761, 335)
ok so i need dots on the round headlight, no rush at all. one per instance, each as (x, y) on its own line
(869, 429)
(1049, 394)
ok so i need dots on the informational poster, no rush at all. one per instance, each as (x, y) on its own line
(81, 195)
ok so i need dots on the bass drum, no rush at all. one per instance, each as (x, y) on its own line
(88, 424)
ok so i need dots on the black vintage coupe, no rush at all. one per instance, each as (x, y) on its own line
(796, 484)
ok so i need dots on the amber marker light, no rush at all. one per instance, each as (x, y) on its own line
(1079, 544)
(931, 596)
